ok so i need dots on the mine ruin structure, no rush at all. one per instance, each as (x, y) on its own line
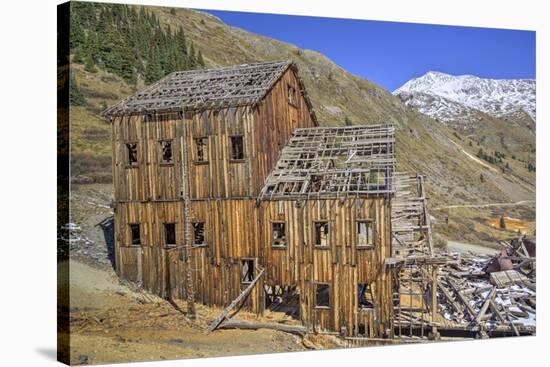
(228, 193)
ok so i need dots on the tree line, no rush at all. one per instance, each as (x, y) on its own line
(128, 42)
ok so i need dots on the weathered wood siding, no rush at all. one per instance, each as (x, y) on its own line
(237, 230)
(277, 119)
(342, 265)
(149, 179)
(265, 130)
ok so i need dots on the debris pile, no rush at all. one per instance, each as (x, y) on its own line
(487, 293)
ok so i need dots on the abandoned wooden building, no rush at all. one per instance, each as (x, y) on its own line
(223, 181)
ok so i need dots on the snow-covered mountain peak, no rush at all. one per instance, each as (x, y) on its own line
(497, 97)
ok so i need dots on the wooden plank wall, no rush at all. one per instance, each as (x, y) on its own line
(341, 264)
(237, 229)
(149, 179)
(277, 119)
(265, 130)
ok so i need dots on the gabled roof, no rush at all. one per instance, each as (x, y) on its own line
(333, 162)
(239, 85)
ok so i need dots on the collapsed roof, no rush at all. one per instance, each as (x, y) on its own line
(230, 86)
(332, 162)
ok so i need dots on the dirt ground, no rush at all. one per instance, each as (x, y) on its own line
(111, 322)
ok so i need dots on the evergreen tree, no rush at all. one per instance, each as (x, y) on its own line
(347, 121)
(153, 70)
(89, 64)
(75, 95)
(119, 39)
(481, 178)
(78, 55)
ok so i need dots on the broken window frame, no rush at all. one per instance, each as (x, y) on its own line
(291, 95)
(201, 144)
(362, 302)
(248, 276)
(204, 243)
(282, 241)
(132, 146)
(316, 239)
(316, 291)
(167, 242)
(232, 157)
(135, 241)
(370, 241)
(169, 144)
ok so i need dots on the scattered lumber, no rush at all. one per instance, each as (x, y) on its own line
(493, 300)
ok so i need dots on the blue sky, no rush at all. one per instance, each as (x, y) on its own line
(391, 53)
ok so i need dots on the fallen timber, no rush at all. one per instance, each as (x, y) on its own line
(476, 295)
(234, 304)
(479, 297)
(250, 325)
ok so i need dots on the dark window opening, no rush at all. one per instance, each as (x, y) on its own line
(166, 151)
(365, 236)
(198, 234)
(170, 234)
(361, 329)
(322, 295)
(321, 233)
(247, 271)
(132, 153)
(135, 234)
(237, 148)
(365, 296)
(201, 145)
(291, 95)
(316, 183)
(278, 234)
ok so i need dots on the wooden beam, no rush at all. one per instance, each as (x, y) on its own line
(249, 325)
(486, 304)
(233, 304)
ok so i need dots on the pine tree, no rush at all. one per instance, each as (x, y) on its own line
(75, 96)
(78, 55)
(481, 178)
(119, 39)
(347, 121)
(153, 70)
(89, 64)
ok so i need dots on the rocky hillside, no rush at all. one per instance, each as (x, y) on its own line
(447, 158)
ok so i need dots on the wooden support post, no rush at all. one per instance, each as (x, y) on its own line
(191, 314)
(233, 304)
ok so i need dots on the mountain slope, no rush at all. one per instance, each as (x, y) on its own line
(423, 145)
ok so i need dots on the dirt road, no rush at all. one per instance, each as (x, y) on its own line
(487, 205)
